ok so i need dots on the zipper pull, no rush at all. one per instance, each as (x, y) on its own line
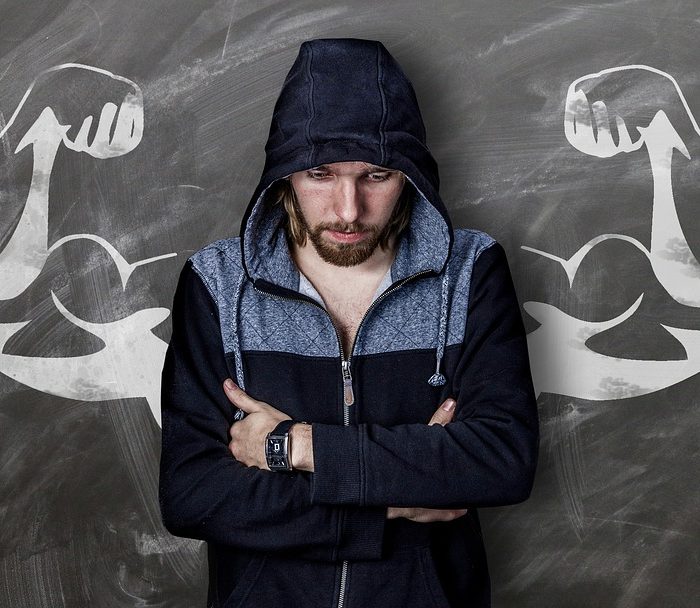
(348, 395)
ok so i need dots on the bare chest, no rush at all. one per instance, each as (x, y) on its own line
(347, 314)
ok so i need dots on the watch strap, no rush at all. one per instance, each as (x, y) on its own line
(283, 427)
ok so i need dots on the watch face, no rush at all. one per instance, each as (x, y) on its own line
(276, 453)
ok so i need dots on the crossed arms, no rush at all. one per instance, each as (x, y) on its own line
(248, 437)
(485, 456)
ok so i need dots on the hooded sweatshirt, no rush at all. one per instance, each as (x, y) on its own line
(446, 324)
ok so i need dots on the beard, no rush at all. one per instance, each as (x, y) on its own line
(343, 254)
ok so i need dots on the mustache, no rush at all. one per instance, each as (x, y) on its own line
(345, 227)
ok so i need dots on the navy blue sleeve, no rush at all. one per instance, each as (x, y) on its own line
(485, 457)
(204, 492)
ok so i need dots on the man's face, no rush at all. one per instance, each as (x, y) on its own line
(345, 208)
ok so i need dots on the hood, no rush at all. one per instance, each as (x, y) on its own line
(346, 100)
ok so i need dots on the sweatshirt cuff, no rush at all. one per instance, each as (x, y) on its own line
(362, 533)
(336, 479)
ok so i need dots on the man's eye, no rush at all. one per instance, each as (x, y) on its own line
(317, 174)
(379, 177)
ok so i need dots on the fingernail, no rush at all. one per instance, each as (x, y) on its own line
(449, 405)
(228, 383)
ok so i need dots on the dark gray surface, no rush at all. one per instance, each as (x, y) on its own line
(613, 519)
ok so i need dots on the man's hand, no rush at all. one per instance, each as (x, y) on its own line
(442, 416)
(248, 435)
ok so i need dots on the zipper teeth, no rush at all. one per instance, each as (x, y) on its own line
(343, 579)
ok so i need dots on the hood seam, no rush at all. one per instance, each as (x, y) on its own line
(382, 122)
(312, 109)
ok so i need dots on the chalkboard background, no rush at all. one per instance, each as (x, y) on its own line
(613, 518)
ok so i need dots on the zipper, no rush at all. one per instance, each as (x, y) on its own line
(348, 393)
(343, 580)
(349, 396)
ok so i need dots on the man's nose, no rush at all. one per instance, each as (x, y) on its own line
(348, 201)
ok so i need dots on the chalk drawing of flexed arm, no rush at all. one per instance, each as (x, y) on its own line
(587, 127)
(27, 250)
(129, 364)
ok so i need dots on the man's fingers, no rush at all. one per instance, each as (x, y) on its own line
(430, 515)
(448, 514)
(444, 413)
(424, 515)
(239, 397)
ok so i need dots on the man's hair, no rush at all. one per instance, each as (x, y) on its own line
(283, 194)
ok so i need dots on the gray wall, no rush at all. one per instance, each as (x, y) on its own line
(613, 518)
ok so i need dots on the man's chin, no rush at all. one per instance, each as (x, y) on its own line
(344, 255)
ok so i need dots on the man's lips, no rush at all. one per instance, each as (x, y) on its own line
(346, 237)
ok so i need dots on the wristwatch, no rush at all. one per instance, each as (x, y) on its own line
(278, 446)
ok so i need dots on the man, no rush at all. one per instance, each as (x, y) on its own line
(382, 385)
